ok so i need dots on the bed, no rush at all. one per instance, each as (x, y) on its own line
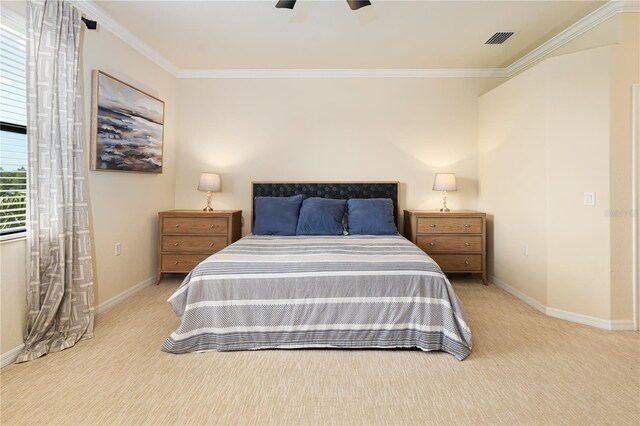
(355, 291)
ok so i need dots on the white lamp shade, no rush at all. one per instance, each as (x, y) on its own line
(209, 182)
(445, 182)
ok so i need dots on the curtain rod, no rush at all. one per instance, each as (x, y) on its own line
(91, 25)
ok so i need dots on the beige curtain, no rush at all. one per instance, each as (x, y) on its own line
(60, 287)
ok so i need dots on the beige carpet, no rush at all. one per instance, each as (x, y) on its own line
(525, 368)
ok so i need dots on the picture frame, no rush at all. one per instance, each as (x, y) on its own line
(127, 127)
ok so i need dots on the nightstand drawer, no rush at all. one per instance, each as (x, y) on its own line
(449, 225)
(455, 240)
(187, 237)
(450, 243)
(458, 262)
(195, 225)
(181, 262)
(193, 243)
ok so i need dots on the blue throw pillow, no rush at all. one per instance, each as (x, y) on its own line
(276, 215)
(321, 216)
(372, 216)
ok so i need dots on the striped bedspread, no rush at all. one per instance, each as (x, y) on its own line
(342, 292)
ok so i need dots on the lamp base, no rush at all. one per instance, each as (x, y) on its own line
(444, 208)
(208, 208)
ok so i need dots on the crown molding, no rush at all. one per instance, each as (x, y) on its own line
(345, 73)
(606, 11)
(598, 16)
(94, 12)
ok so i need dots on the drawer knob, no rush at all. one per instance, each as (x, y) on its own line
(177, 225)
(211, 226)
(467, 244)
(176, 244)
(432, 225)
(210, 244)
(432, 244)
(466, 225)
(175, 263)
(466, 262)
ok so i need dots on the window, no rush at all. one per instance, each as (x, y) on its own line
(13, 130)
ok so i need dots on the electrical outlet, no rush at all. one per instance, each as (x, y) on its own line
(525, 249)
(118, 249)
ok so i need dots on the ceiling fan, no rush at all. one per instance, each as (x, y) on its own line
(353, 4)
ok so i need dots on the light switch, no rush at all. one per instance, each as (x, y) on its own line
(589, 198)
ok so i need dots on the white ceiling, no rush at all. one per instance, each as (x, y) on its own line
(390, 34)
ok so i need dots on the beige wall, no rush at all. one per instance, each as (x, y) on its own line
(556, 130)
(123, 206)
(328, 129)
(625, 64)
(578, 238)
(512, 172)
(13, 293)
(543, 141)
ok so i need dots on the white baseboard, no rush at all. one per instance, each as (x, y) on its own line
(110, 303)
(579, 318)
(623, 325)
(10, 356)
(612, 325)
(526, 299)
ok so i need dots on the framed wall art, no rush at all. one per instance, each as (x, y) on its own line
(128, 127)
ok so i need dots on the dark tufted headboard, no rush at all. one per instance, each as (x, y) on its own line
(340, 190)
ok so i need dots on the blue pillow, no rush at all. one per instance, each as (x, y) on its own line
(276, 215)
(321, 216)
(373, 216)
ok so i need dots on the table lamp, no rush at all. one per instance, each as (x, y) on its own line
(445, 182)
(209, 182)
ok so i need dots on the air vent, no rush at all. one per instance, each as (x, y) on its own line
(499, 38)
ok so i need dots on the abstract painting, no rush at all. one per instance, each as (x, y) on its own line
(128, 127)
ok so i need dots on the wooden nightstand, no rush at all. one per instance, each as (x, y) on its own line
(455, 240)
(187, 237)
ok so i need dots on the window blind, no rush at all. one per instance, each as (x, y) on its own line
(13, 121)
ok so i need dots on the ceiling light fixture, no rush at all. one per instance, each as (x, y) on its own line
(353, 4)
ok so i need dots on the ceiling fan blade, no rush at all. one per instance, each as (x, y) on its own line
(285, 4)
(357, 4)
